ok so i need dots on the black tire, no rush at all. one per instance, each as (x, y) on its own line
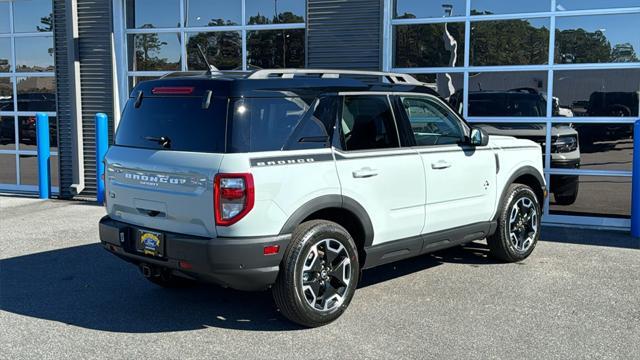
(500, 243)
(294, 298)
(567, 198)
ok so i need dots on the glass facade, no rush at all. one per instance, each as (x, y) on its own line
(164, 36)
(561, 72)
(27, 86)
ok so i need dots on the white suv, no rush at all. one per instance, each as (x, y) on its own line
(296, 180)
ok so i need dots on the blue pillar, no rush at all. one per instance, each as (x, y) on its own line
(635, 180)
(102, 144)
(42, 137)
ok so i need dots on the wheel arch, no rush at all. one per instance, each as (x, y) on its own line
(342, 210)
(527, 175)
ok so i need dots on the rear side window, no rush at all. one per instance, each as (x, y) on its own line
(264, 124)
(180, 120)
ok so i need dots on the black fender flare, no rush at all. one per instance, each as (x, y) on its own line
(525, 170)
(331, 201)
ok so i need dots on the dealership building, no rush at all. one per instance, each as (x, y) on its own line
(564, 73)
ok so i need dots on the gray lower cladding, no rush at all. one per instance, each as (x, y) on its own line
(426, 243)
(238, 263)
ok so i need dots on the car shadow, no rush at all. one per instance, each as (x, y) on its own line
(87, 287)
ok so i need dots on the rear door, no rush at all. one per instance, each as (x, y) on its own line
(376, 171)
(168, 148)
(460, 179)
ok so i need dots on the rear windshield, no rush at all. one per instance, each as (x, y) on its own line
(176, 123)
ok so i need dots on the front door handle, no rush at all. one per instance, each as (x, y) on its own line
(440, 164)
(365, 172)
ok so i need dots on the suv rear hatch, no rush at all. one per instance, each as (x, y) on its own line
(167, 151)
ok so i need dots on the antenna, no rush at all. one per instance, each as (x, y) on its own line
(211, 69)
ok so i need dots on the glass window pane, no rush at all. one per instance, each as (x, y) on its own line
(431, 123)
(6, 94)
(5, 54)
(8, 172)
(34, 53)
(448, 85)
(597, 39)
(145, 14)
(27, 133)
(7, 133)
(486, 7)
(223, 50)
(53, 133)
(4, 17)
(275, 49)
(508, 94)
(28, 170)
(603, 146)
(213, 12)
(274, 12)
(510, 42)
(135, 80)
(411, 9)
(563, 5)
(536, 132)
(32, 15)
(590, 195)
(429, 45)
(154, 52)
(36, 94)
(53, 169)
(598, 92)
(367, 123)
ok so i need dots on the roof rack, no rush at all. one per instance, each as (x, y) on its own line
(394, 78)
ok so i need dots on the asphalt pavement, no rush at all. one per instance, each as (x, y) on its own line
(63, 296)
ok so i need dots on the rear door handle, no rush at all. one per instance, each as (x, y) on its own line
(365, 172)
(441, 164)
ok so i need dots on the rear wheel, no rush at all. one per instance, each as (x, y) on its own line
(318, 275)
(518, 225)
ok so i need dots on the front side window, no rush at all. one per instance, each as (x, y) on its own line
(431, 123)
(367, 123)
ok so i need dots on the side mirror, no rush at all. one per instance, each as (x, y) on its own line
(479, 137)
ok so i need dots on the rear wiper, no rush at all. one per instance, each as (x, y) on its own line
(164, 141)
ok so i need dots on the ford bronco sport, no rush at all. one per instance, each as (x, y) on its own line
(296, 180)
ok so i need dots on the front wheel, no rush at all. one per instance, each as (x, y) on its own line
(518, 225)
(318, 275)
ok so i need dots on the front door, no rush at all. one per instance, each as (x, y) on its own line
(376, 171)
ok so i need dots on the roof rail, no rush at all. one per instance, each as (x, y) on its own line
(394, 78)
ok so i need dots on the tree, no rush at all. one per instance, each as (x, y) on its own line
(147, 51)
(580, 46)
(223, 49)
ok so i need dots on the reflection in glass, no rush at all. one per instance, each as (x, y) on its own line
(411, 9)
(213, 13)
(275, 49)
(274, 11)
(6, 94)
(32, 16)
(592, 196)
(53, 133)
(5, 54)
(36, 94)
(596, 39)
(4, 17)
(28, 170)
(53, 170)
(135, 80)
(429, 45)
(507, 94)
(7, 133)
(34, 53)
(154, 52)
(27, 133)
(598, 92)
(486, 7)
(605, 146)
(8, 166)
(223, 50)
(144, 14)
(510, 42)
(563, 5)
(448, 85)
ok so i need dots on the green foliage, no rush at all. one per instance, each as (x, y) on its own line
(508, 42)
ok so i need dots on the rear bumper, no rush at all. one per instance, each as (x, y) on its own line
(238, 263)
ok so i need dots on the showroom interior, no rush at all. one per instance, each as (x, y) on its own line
(563, 73)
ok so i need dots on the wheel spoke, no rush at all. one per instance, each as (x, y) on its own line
(340, 272)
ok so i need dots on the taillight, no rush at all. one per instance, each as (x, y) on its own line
(234, 196)
(172, 90)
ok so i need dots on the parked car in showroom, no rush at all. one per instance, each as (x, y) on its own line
(297, 180)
